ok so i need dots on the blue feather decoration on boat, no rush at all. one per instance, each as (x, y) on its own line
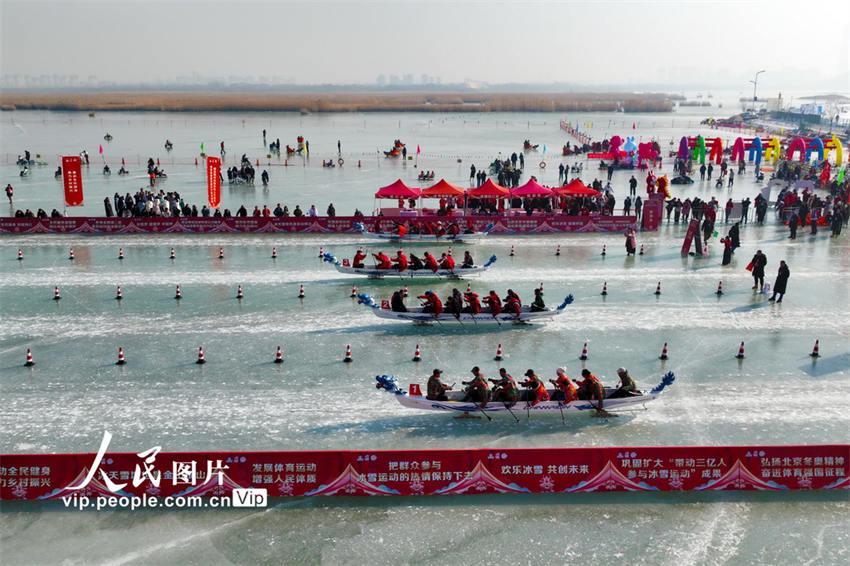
(388, 383)
(668, 379)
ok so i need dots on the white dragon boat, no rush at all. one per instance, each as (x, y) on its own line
(418, 316)
(414, 399)
(375, 273)
(468, 238)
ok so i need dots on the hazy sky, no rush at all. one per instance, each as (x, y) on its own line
(605, 42)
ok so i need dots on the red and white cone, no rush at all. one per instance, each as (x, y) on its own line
(498, 357)
(405, 293)
(816, 350)
(583, 355)
(239, 293)
(348, 358)
(177, 294)
(719, 288)
(301, 291)
(118, 294)
(663, 355)
(605, 288)
(353, 294)
(658, 288)
(321, 251)
(512, 251)
(200, 359)
(172, 256)
(278, 357)
(120, 253)
(274, 253)
(220, 253)
(71, 253)
(641, 250)
(558, 251)
(740, 355)
(121, 361)
(20, 255)
(29, 362)
(541, 287)
(469, 287)
(449, 252)
(603, 250)
(416, 354)
(56, 295)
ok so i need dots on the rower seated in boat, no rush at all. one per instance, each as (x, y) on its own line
(431, 263)
(106, 170)
(359, 256)
(400, 261)
(565, 389)
(447, 262)
(382, 261)
(590, 388)
(627, 387)
(505, 389)
(494, 303)
(512, 303)
(432, 303)
(454, 303)
(436, 388)
(397, 301)
(473, 304)
(537, 305)
(477, 389)
(415, 263)
(467, 260)
(401, 230)
(536, 389)
(453, 230)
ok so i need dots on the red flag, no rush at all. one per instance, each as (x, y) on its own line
(72, 178)
(100, 148)
(214, 181)
(750, 266)
(417, 149)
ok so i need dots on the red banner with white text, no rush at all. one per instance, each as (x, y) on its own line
(214, 181)
(427, 472)
(72, 179)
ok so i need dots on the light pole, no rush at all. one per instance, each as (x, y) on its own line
(755, 84)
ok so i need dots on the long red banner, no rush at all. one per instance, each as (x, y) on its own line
(214, 181)
(426, 472)
(72, 179)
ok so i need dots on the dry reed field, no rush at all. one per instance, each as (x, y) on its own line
(338, 102)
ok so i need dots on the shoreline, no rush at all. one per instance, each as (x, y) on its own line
(309, 103)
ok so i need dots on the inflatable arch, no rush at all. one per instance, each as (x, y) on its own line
(817, 144)
(835, 144)
(796, 144)
(683, 148)
(738, 150)
(772, 151)
(755, 151)
(716, 154)
(699, 149)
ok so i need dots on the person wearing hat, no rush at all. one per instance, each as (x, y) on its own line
(590, 388)
(477, 389)
(436, 388)
(567, 391)
(627, 386)
(537, 305)
(536, 388)
(505, 389)
(432, 303)
(447, 262)
(467, 260)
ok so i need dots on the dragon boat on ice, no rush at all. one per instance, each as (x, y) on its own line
(375, 273)
(466, 237)
(421, 316)
(455, 404)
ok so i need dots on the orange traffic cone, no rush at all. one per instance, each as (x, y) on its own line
(816, 350)
(29, 362)
(641, 250)
(405, 293)
(740, 355)
(71, 254)
(663, 355)
(469, 287)
(605, 288)
(121, 361)
(512, 251)
(603, 249)
(558, 251)
(321, 252)
(120, 253)
(301, 291)
(278, 357)
(541, 287)
(658, 288)
(416, 356)
(239, 293)
(56, 295)
(20, 255)
(583, 355)
(200, 359)
(274, 253)
(347, 357)
(353, 294)
(719, 288)
(172, 254)
(177, 294)
(220, 253)
(498, 357)
(118, 294)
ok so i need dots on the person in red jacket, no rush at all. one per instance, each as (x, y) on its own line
(591, 388)
(494, 303)
(513, 303)
(447, 262)
(432, 303)
(359, 256)
(400, 261)
(474, 305)
(537, 390)
(431, 263)
(382, 261)
(567, 391)
(401, 230)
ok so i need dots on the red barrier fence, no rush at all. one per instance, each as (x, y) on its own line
(537, 223)
(427, 472)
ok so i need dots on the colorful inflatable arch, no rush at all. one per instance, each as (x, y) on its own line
(835, 144)
(716, 154)
(772, 151)
(683, 148)
(817, 144)
(738, 150)
(698, 144)
(796, 144)
(755, 151)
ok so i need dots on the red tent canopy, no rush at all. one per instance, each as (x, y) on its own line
(576, 188)
(397, 190)
(531, 189)
(442, 190)
(488, 189)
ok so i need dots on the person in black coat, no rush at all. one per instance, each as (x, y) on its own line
(107, 205)
(759, 261)
(781, 282)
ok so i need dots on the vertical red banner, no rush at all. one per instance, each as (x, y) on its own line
(214, 181)
(72, 178)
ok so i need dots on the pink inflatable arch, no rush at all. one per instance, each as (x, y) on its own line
(796, 144)
(738, 150)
